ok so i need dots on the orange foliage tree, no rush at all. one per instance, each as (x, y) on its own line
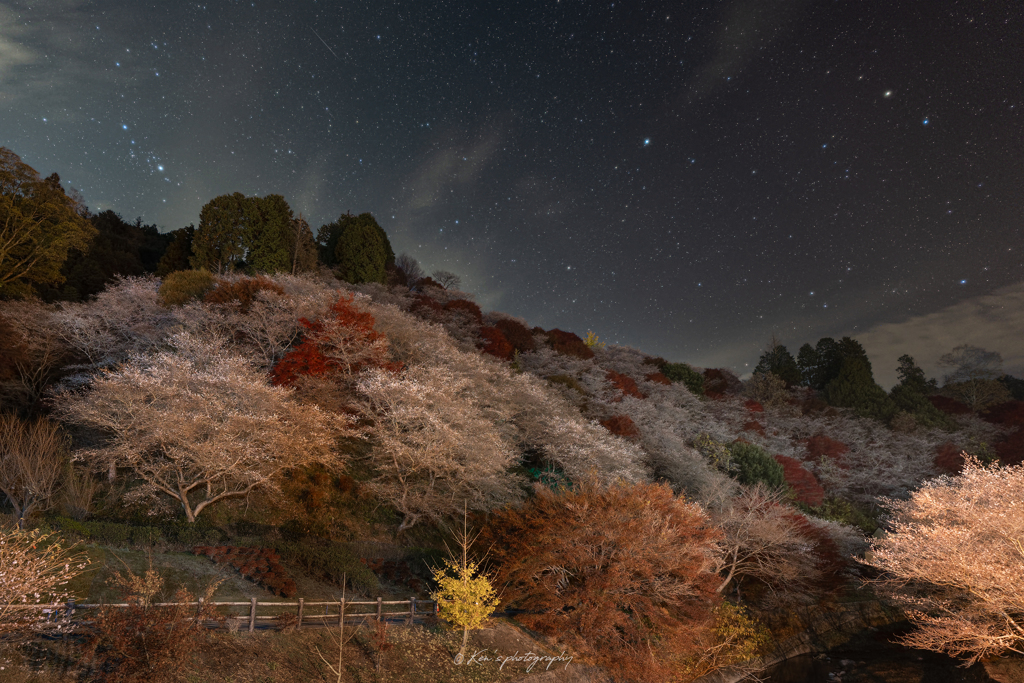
(624, 574)
(342, 343)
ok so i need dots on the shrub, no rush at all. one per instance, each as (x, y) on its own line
(467, 307)
(241, 291)
(183, 286)
(517, 334)
(329, 561)
(495, 344)
(146, 642)
(625, 384)
(623, 573)
(568, 344)
(756, 465)
(36, 568)
(621, 425)
(681, 372)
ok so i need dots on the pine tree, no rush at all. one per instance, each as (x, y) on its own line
(855, 388)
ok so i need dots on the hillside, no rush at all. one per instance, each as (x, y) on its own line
(347, 426)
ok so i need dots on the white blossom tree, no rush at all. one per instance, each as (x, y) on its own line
(953, 558)
(200, 424)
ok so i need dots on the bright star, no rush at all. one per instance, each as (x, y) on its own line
(159, 168)
(925, 122)
(647, 141)
(888, 93)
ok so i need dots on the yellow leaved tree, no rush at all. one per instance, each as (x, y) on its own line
(465, 597)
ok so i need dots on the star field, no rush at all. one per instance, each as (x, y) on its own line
(684, 178)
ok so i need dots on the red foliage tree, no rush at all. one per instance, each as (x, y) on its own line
(621, 425)
(517, 334)
(754, 426)
(950, 406)
(495, 344)
(829, 560)
(1008, 414)
(625, 384)
(949, 458)
(568, 344)
(820, 445)
(658, 378)
(753, 406)
(467, 307)
(719, 382)
(241, 291)
(623, 573)
(1011, 450)
(341, 343)
(804, 484)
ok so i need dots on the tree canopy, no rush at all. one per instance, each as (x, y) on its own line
(357, 248)
(39, 225)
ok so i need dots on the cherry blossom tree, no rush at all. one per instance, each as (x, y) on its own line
(953, 559)
(200, 424)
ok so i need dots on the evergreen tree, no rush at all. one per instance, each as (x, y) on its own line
(331, 234)
(302, 246)
(778, 361)
(807, 363)
(855, 387)
(178, 251)
(39, 225)
(218, 245)
(360, 254)
(911, 395)
(119, 248)
(267, 234)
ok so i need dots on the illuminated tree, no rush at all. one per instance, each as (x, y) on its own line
(624, 573)
(33, 457)
(953, 559)
(200, 424)
(39, 225)
(464, 595)
(36, 568)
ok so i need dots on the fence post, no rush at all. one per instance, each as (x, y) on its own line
(341, 613)
(379, 608)
(252, 614)
(412, 610)
(71, 608)
(299, 625)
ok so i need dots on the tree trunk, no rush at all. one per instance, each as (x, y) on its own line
(462, 650)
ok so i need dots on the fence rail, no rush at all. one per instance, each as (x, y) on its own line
(340, 610)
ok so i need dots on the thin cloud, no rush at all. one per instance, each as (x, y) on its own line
(993, 321)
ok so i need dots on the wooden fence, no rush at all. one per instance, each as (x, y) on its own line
(333, 611)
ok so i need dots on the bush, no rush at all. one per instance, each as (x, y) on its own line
(568, 344)
(495, 344)
(517, 334)
(241, 291)
(622, 573)
(681, 372)
(621, 425)
(755, 465)
(144, 642)
(329, 562)
(185, 285)
(568, 382)
(625, 384)
(108, 533)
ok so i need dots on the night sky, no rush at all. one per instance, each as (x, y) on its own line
(685, 178)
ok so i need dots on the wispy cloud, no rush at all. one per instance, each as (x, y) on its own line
(748, 28)
(993, 321)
